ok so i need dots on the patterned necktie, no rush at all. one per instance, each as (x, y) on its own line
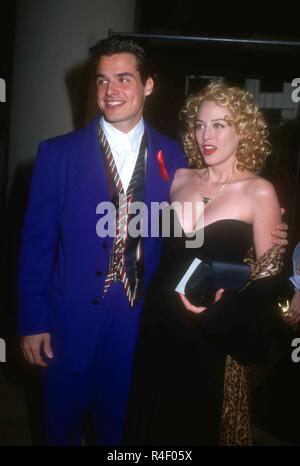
(117, 261)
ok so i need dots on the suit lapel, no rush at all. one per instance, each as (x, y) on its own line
(156, 186)
(156, 190)
(90, 167)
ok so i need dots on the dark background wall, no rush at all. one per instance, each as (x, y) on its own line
(7, 22)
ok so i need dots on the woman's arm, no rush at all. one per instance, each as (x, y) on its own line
(266, 214)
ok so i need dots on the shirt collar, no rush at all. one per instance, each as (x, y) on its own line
(118, 139)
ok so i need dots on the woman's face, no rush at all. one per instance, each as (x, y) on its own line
(217, 140)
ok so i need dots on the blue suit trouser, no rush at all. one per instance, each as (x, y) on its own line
(102, 387)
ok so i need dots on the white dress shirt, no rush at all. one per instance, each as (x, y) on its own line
(125, 148)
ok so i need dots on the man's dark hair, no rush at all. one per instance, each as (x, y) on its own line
(119, 44)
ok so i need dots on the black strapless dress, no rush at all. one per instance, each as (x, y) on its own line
(177, 389)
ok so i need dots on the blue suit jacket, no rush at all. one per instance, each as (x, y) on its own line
(61, 252)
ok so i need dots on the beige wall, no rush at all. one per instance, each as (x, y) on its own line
(51, 43)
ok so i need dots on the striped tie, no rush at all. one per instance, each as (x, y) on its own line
(117, 269)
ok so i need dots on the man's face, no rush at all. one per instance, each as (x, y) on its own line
(120, 91)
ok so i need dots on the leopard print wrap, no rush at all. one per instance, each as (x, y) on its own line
(235, 423)
(236, 419)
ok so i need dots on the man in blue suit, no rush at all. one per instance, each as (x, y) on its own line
(81, 294)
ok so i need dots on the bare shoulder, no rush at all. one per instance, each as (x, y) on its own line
(185, 179)
(182, 172)
(260, 188)
(264, 202)
(255, 185)
(185, 175)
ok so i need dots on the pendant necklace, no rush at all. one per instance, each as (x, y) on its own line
(207, 200)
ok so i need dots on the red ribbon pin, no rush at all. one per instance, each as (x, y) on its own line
(162, 167)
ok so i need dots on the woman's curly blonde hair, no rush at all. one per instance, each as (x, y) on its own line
(245, 117)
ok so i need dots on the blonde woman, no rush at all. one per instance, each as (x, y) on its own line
(191, 378)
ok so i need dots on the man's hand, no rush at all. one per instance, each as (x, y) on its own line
(279, 235)
(33, 344)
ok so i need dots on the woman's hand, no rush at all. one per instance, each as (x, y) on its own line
(189, 306)
(196, 310)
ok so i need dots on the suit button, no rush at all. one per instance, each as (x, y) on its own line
(104, 245)
(95, 302)
(98, 273)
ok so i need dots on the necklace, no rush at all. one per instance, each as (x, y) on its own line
(207, 200)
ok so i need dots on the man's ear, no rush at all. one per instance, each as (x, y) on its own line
(149, 86)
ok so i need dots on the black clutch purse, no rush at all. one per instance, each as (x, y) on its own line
(202, 279)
